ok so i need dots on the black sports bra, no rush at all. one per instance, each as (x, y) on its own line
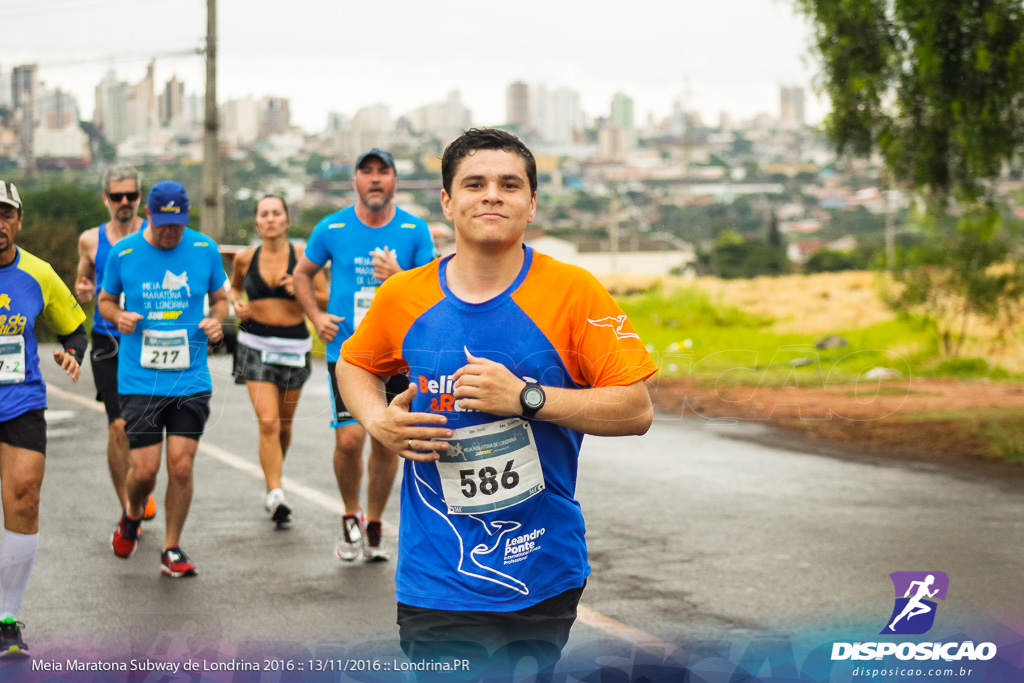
(257, 288)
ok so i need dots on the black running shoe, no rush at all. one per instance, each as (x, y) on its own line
(11, 644)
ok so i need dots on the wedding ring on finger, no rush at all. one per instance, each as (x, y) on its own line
(409, 444)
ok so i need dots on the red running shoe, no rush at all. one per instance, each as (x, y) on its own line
(126, 536)
(175, 563)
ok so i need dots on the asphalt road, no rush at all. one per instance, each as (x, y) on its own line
(695, 537)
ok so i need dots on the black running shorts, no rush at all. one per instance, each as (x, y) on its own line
(27, 430)
(104, 372)
(394, 385)
(539, 631)
(146, 417)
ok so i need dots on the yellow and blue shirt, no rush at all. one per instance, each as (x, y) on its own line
(29, 289)
(494, 524)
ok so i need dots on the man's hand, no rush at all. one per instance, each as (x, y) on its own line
(326, 326)
(485, 385)
(407, 433)
(385, 263)
(84, 290)
(68, 363)
(127, 321)
(213, 328)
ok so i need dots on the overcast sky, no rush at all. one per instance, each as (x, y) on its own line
(339, 55)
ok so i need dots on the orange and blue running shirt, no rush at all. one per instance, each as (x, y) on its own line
(494, 524)
(29, 289)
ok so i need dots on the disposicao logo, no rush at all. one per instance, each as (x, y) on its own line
(914, 612)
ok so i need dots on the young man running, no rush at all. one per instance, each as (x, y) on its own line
(512, 358)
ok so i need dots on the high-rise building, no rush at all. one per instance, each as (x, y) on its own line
(517, 107)
(240, 121)
(445, 120)
(791, 105)
(111, 110)
(141, 111)
(5, 90)
(57, 109)
(24, 85)
(171, 102)
(556, 114)
(622, 117)
(275, 116)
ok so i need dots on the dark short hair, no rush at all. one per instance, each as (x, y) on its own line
(485, 138)
(255, 209)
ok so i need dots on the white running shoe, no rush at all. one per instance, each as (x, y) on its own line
(275, 505)
(350, 546)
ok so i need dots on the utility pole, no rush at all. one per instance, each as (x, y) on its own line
(890, 227)
(210, 219)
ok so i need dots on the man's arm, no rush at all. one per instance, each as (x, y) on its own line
(74, 345)
(393, 425)
(490, 387)
(110, 308)
(302, 278)
(85, 282)
(320, 290)
(239, 267)
(213, 325)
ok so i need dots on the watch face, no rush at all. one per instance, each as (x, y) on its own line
(533, 397)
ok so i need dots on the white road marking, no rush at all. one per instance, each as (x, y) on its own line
(640, 639)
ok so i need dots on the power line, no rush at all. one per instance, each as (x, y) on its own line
(122, 58)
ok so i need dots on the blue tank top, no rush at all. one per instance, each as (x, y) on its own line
(100, 324)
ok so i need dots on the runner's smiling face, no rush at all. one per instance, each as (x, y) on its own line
(125, 209)
(375, 183)
(491, 202)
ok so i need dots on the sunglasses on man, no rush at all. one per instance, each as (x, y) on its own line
(118, 197)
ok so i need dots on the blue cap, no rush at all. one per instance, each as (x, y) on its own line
(168, 203)
(386, 157)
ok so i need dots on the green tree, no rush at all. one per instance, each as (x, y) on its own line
(54, 218)
(736, 257)
(937, 89)
(833, 260)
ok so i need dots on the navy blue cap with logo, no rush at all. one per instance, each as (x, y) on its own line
(168, 203)
(386, 157)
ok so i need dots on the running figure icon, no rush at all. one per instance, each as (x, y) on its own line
(915, 606)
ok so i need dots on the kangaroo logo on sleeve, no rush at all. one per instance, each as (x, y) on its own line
(616, 323)
(914, 612)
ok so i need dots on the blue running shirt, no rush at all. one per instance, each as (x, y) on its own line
(29, 288)
(347, 243)
(103, 248)
(168, 287)
(494, 525)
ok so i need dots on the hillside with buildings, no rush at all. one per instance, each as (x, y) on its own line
(669, 194)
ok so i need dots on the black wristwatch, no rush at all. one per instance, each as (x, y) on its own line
(532, 399)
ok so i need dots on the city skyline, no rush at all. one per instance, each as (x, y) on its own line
(655, 53)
